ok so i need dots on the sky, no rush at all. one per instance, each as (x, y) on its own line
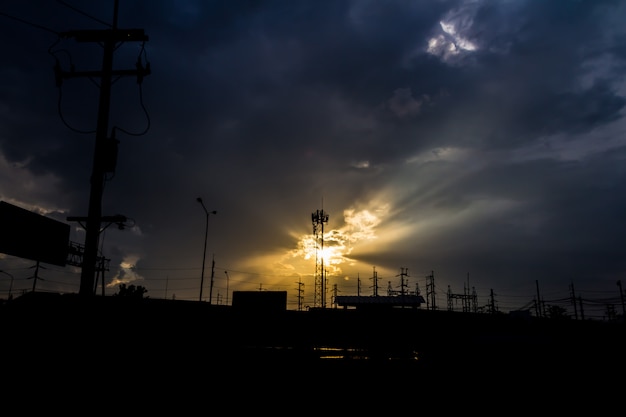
(469, 146)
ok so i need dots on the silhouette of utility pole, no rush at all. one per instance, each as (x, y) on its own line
(404, 272)
(105, 151)
(300, 293)
(374, 278)
(227, 283)
(36, 276)
(492, 303)
(538, 307)
(335, 293)
(430, 291)
(212, 279)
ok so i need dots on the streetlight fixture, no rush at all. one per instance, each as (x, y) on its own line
(206, 233)
(11, 285)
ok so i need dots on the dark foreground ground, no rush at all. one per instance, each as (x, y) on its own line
(174, 353)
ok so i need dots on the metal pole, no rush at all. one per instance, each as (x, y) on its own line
(92, 237)
(206, 234)
(36, 276)
(227, 279)
(212, 275)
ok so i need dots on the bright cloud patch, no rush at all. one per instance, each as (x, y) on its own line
(126, 273)
(359, 227)
(361, 164)
(449, 44)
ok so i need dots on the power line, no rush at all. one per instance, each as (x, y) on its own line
(29, 23)
(69, 6)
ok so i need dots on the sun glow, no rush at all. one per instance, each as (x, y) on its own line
(359, 227)
(356, 231)
(332, 255)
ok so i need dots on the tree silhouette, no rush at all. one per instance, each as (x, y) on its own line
(557, 312)
(131, 291)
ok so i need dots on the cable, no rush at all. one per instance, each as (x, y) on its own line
(140, 68)
(59, 82)
(65, 122)
(83, 13)
(29, 23)
(147, 118)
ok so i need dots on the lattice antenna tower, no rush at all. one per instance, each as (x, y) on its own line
(319, 218)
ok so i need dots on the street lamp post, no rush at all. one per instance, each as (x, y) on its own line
(11, 285)
(206, 233)
(227, 279)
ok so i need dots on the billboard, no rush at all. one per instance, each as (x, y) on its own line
(29, 235)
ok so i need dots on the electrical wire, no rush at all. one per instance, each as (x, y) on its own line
(69, 6)
(140, 67)
(29, 23)
(60, 111)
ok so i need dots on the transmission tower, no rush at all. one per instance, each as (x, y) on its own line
(319, 218)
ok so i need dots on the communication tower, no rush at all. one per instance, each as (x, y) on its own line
(319, 218)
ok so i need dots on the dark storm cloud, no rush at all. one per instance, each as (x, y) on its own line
(529, 65)
(272, 78)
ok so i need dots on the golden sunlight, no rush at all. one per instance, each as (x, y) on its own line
(358, 227)
(356, 230)
(126, 273)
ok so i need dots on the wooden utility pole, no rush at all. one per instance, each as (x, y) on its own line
(105, 147)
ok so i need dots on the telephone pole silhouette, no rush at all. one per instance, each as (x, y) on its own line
(105, 152)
